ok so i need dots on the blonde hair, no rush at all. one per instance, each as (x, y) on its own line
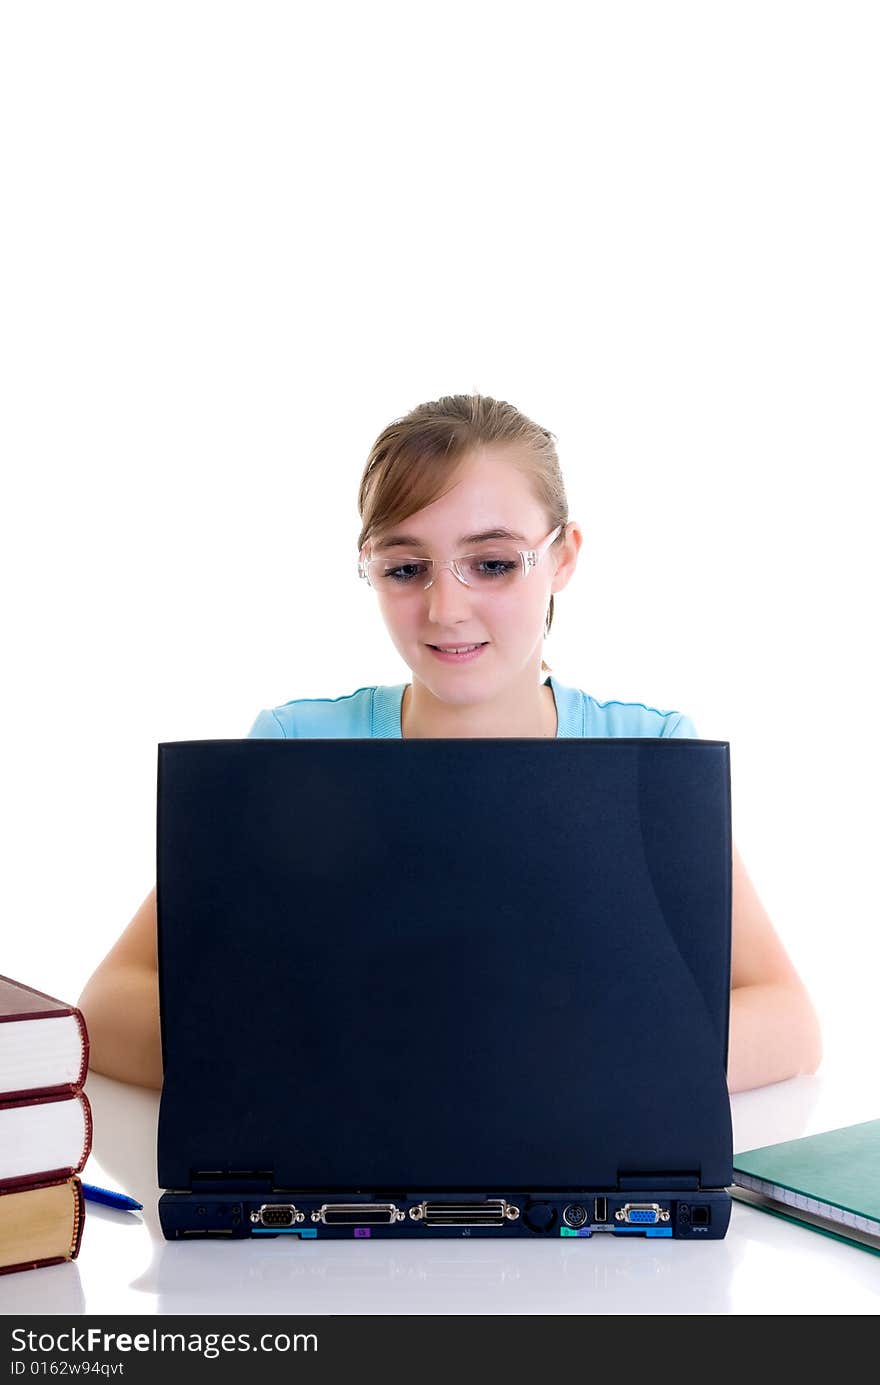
(416, 459)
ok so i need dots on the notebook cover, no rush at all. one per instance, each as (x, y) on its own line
(10, 1184)
(21, 1002)
(337, 1009)
(840, 1167)
(79, 1216)
(797, 1217)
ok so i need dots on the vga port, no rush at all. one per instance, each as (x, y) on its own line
(641, 1213)
(358, 1214)
(494, 1212)
(277, 1214)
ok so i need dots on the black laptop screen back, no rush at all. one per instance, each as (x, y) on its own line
(444, 964)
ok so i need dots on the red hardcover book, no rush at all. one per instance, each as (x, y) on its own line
(45, 1137)
(41, 1223)
(44, 1044)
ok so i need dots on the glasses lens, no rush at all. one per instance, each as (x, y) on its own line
(499, 567)
(493, 569)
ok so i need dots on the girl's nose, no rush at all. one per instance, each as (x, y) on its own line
(447, 593)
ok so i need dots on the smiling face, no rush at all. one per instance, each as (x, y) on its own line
(491, 493)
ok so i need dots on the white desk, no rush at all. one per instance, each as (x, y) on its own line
(764, 1265)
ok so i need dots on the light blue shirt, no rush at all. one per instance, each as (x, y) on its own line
(375, 711)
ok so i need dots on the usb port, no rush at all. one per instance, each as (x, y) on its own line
(600, 1209)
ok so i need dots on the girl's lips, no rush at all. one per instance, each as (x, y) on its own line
(458, 658)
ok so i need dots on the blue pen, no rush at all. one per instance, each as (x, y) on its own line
(93, 1194)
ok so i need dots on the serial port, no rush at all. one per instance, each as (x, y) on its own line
(277, 1214)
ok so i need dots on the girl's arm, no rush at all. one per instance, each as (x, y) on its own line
(774, 1029)
(120, 1004)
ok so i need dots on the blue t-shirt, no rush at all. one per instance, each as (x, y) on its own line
(375, 711)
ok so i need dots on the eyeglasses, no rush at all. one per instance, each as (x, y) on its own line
(497, 568)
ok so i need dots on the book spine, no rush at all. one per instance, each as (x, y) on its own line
(79, 1218)
(84, 1035)
(90, 1129)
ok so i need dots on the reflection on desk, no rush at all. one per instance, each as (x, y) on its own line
(764, 1265)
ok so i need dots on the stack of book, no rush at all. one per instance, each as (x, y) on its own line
(45, 1127)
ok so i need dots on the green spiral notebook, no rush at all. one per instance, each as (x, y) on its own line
(829, 1182)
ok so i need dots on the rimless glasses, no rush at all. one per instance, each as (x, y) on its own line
(500, 566)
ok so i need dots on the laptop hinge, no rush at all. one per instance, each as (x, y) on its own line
(657, 1178)
(257, 1180)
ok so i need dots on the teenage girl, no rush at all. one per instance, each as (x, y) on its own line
(465, 539)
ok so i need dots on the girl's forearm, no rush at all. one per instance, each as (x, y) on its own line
(121, 1011)
(774, 1034)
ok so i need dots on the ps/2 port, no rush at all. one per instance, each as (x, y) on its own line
(575, 1215)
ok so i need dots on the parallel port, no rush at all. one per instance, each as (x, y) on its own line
(358, 1214)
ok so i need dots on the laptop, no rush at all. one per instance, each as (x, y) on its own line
(444, 988)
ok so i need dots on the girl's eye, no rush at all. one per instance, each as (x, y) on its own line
(498, 567)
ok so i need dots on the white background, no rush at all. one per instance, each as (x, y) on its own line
(239, 239)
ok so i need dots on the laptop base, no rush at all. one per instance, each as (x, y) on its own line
(694, 1215)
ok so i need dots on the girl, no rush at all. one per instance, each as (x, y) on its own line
(465, 540)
